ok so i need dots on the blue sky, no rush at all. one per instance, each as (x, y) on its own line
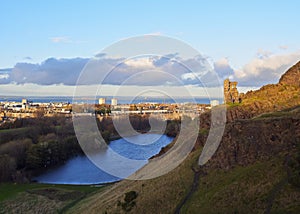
(233, 33)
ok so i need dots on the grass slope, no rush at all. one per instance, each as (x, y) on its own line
(261, 187)
(41, 198)
(246, 190)
(159, 195)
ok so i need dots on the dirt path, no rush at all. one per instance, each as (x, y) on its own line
(197, 173)
(278, 187)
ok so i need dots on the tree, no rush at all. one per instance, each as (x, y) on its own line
(7, 168)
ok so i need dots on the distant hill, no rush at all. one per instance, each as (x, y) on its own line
(255, 169)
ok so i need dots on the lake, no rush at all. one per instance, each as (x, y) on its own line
(81, 171)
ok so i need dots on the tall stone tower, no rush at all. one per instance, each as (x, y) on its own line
(231, 93)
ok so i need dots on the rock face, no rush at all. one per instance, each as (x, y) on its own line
(270, 98)
(247, 141)
(292, 76)
(265, 124)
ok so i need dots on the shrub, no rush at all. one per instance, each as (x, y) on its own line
(129, 202)
(130, 196)
(16, 149)
(7, 168)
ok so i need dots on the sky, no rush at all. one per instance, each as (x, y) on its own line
(252, 42)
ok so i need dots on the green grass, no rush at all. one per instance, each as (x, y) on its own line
(241, 190)
(12, 134)
(157, 195)
(284, 113)
(10, 190)
(234, 104)
(41, 198)
(16, 130)
(272, 115)
(203, 131)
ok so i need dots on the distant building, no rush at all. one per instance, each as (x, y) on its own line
(231, 94)
(24, 101)
(214, 103)
(114, 102)
(102, 101)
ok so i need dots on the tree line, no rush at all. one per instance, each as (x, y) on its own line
(30, 146)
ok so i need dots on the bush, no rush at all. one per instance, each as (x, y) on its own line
(203, 131)
(106, 135)
(129, 202)
(16, 149)
(7, 168)
(130, 196)
(173, 128)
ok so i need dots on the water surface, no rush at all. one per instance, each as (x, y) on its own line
(80, 170)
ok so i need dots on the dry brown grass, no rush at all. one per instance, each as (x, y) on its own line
(31, 203)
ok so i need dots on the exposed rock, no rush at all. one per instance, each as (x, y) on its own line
(246, 141)
(269, 98)
(276, 129)
(292, 76)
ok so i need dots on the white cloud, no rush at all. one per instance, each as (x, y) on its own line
(261, 53)
(4, 76)
(140, 63)
(50, 71)
(223, 68)
(60, 39)
(189, 76)
(65, 39)
(222, 62)
(261, 71)
(142, 71)
(150, 71)
(28, 58)
(154, 34)
(283, 47)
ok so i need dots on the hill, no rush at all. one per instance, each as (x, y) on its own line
(255, 169)
(273, 97)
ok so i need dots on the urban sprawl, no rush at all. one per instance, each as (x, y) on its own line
(12, 110)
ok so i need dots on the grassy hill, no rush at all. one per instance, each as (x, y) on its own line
(255, 169)
(257, 183)
(41, 198)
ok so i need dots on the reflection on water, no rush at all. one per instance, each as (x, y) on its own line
(80, 170)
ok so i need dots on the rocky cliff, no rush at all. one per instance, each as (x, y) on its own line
(247, 141)
(266, 123)
(273, 97)
(292, 76)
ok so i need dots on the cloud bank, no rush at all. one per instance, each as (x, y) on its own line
(51, 71)
(265, 69)
(168, 70)
(140, 71)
